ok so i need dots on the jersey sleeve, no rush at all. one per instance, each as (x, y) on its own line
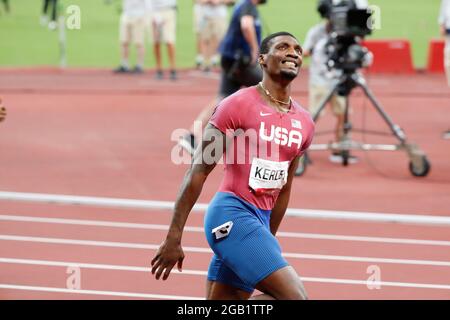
(248, 10)
(227, 116)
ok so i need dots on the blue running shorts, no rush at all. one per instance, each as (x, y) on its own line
(249, 252)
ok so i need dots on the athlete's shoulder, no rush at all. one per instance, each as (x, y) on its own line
(234, 111)
(303, 113)
(242, 96)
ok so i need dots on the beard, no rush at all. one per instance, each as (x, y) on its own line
(288, 74)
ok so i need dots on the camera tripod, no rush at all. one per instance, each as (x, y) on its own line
(419, 165)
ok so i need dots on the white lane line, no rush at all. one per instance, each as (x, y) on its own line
(97, 292)
(95, 243)
(207, 250)
(366, 259)
(94, 266)
(119, 203)
(95, 223)
(113, 224)
(204, 273)
(380, 283)
(364, 239)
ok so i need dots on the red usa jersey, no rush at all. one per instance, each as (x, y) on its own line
(265, 142)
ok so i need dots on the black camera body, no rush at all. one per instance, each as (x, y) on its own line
(348, 26)
(349, 21)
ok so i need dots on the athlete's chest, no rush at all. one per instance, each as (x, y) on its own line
(284, 131)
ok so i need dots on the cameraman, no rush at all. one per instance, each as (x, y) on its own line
(239, 52)
(321, 79)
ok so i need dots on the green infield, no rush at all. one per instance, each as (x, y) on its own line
(24, 42)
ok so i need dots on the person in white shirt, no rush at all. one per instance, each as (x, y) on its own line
(164, 16)
(321, 80)
(133, 22)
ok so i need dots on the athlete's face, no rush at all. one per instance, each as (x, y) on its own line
(284, 58)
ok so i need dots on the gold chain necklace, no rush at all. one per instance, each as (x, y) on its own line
(276, 100)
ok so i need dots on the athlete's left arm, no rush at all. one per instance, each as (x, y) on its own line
(283, 199)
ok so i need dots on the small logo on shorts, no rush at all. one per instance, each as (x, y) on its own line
(223, 230)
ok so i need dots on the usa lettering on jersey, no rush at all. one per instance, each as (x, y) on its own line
(280, 135)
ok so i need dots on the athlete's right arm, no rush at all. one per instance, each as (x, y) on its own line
(205, 159)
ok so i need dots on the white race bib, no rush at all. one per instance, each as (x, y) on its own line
(267, 176)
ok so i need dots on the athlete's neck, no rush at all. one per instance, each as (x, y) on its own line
(277, 93)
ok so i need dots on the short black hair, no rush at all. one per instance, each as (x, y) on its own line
(265, 44)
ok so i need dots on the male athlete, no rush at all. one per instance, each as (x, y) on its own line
(263, 132)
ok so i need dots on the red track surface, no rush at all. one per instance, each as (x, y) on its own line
(86, 132)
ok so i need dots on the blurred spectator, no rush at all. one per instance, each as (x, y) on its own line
(149, 20)
(197, 20)
(6, 5)
(212, 28)
(444, 22)
(239, 56)
(164, 31)
(133, 23)
(54, 9)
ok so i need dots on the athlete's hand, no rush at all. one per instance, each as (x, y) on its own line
(169, 254)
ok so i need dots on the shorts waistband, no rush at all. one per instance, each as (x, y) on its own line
(224, 196)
